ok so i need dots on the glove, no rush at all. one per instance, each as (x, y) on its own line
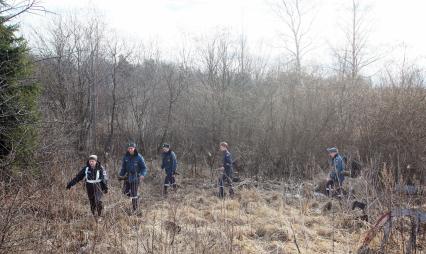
(106, 191)
(68, 186)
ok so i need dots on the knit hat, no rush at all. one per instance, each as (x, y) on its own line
(332, 150)
(224, 144)
(93, 157)
(131, 145)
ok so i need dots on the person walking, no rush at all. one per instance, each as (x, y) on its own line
(226, 171)
(169, 164)
(134, 170)
(96, 179)
(336, 176)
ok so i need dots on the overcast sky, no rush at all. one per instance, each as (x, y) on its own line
(393, 23)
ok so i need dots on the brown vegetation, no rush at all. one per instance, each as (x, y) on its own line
(262, 219)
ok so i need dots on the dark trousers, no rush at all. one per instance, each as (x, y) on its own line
(94, 193)
(225, 179)
(333, 185)
(169, 181)
(131, 190)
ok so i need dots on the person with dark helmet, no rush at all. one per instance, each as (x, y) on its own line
(96, 183)
(169, 164)
(134, 170)
(336, 176)
(226, 170)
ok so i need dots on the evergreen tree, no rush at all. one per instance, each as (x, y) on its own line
(18, 100)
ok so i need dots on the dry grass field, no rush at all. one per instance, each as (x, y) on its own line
(263, 217)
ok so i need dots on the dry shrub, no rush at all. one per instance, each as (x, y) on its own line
(271, 232)
(311, 222)
(325, 232)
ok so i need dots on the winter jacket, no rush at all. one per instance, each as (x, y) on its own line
(169, 162)
(227, 163)
(91, 176)
(133, 166)
(338, 168)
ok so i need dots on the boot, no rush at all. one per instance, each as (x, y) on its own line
(231, 193)
(99, 209)
(221, 192)
(135, 204)
(93, 209)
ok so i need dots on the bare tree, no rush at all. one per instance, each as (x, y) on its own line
(142, 93)
(176, 82)
(119, 54)
(12, 9)
(354, 57)
(219, 67)
(295, 16)
(72, 69)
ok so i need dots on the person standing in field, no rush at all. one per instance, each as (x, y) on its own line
(169, 164)
(336, 176)
(96, 183)
(134, 170)
(226, 171)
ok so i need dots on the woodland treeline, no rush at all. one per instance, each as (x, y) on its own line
(99, 91)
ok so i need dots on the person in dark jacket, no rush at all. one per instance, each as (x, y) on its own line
(96, 183)
(134, 170)
(336, 176)
(226, 170)
(169, 164)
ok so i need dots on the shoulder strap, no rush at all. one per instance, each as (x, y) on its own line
(86, 172)
(97, 180)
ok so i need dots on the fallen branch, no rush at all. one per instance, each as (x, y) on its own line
(385, 221)
(294, 238)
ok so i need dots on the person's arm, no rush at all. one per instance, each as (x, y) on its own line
(174, 162)
(340, 166)
(162, 161)
(104, 182)
(77, 178)
(228, 161)
(142, 167)
(123, 167)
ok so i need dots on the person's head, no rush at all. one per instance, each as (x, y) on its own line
(165, 147)
(223, 146)
(332, 151)
(131, 147)
(93, 159)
